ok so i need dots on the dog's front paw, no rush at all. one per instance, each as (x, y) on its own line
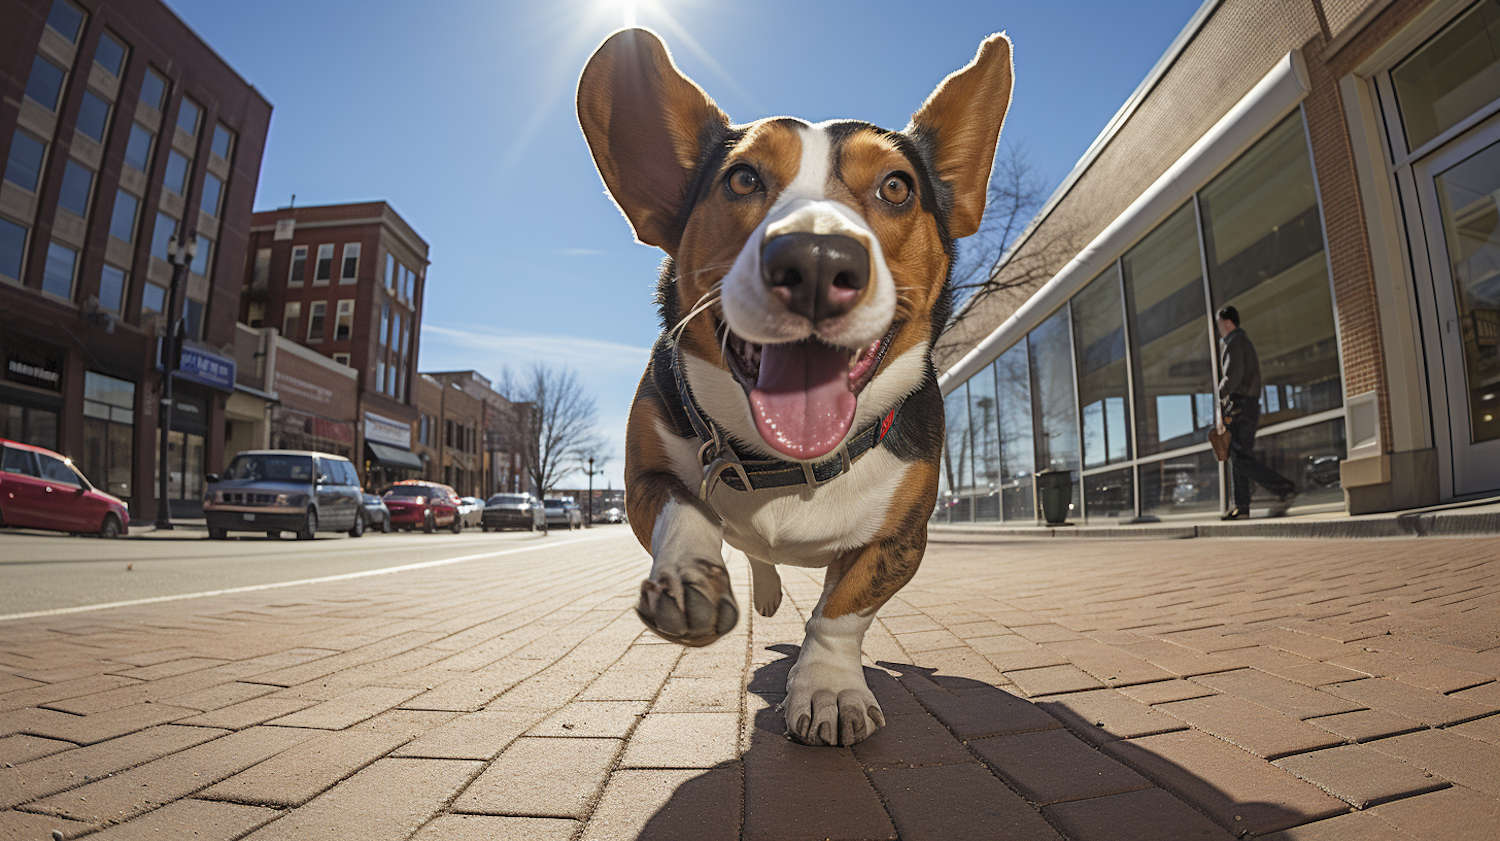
(691, 604)
(832, 716)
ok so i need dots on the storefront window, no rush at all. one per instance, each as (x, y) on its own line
(1055, 415)
(109, 433)
(1264, 243)
(959, 462)
(1454, 75)
(1182, 485)
(1169, 323)
(1099, 333)
(986, 445)
(29, 425)
(1110, 494)
(1308, 456)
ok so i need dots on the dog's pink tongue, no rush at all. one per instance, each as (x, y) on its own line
(802, 403)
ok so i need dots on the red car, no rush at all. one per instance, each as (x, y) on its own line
(40, 489)
(425, 505)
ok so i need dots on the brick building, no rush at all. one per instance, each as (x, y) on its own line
(120, 130)
(347, 282)
(1328, 167)
(500, 464)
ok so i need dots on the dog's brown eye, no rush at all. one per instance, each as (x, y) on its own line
(895, 189)
(743, 181)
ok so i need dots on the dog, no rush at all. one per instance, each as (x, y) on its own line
(790, 406)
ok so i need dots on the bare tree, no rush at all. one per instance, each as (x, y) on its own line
(555, 420)
(1015, 195)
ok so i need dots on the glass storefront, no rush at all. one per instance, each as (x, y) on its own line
(1118, 385)
(29, 425)
(108, 433)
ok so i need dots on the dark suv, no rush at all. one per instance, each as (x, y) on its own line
(273, 491)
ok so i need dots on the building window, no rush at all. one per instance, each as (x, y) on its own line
(110, 54)
(325, 265)
(345, 323)
(213, 188)
(315, 321)
(24, 166)
(379, 375)
(187, 116)
(161, 236)
(45, 84)
(385, 324)
(177, 173)
(12, 249)
(108, 433)
(77, 182)
(122, 220)
(299, 266)
(202, 257)
(223, 142)
(341, 358)
(57, 277)
(153, 298)
(153, 89)
(93, 116)
(1449, 78)
(192, 318)
(1099, 335)
(291, 319)
(65, 19)
(138, 148)
(1053, 406)
(112, 287)
(396, 332)
(350, 272)
(390, 270)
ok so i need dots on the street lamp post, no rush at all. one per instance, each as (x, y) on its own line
(592, 473)
(180, 252)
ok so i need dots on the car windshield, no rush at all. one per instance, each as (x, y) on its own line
(506, 499)
(270, 468)
(554, 503)
(411, 490)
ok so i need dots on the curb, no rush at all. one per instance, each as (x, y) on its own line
(1402, 525)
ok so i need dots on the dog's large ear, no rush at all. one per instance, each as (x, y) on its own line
(959, 126)
(647, 125)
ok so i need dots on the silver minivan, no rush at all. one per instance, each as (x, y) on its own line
(273, 491)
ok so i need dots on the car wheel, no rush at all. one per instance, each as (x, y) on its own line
(427, 523)
(458, 524)
(484, 528)
(358, 529)
(309, 526)
(110, 528)
(217, 534)
(385, 526)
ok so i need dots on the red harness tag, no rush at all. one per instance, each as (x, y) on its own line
(885, 425)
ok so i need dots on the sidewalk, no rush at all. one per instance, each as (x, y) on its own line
(1298, 690)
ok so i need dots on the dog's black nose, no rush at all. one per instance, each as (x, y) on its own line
(817, 276)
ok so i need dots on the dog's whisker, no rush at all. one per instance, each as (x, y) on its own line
(702, 305)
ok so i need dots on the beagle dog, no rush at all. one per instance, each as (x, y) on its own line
(790, 407)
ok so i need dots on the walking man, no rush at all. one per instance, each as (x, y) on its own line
(1239, 400)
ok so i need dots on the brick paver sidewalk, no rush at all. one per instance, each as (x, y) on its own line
(1035, 689)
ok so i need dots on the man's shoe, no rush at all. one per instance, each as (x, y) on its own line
(1282, 503)
(1236, 514)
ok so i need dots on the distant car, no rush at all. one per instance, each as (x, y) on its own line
(562, 513)
(513, 511)
(273, 491)
(416, 504)
(612, 515)
(41, 489)
(469, 510)
(376, 514)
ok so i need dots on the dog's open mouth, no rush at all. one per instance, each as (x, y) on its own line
(803, 394)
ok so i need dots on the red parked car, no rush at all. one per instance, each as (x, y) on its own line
(425, 505)
(40, 489)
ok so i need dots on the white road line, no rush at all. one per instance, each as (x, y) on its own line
(345, 577)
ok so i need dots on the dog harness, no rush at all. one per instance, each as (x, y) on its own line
(720, 462)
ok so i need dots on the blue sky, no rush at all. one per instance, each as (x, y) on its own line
(460, 114)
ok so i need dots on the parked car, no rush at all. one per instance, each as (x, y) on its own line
(470, 508)
(612, 515)
(41, 489)
(376, 514)
(418, 504)
(273, 491)
(562, 512)
(513, 511)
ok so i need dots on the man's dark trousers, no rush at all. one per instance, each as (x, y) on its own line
(1243, 465)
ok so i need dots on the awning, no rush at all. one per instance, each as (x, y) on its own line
(392, 456)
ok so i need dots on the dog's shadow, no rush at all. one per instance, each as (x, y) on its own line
(939, 768)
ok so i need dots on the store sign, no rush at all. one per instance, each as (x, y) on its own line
(383, 430)
(34, 369)
(206, 368)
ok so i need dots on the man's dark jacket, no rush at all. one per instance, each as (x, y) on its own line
(1239, 368)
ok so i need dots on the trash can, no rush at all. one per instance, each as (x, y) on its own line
(1054, 490)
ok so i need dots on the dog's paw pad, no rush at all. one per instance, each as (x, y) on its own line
(841, 719)
(692, 607)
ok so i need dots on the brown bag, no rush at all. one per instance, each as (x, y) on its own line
(1218, 438)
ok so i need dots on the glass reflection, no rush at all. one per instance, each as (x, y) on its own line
(1099, 333)
(1181, 485)
(1471, 224)
(958, 456)
(1308, 456)
(1169, 322)
(1264, 244)
(1053, 407)
(1109, 494)
(986, 443)
(1451, 77)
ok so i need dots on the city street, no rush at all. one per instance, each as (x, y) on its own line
(500, 686)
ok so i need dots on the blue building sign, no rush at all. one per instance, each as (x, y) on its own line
(203, 367)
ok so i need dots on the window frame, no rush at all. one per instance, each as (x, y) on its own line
(323, 267)
(296, 272)
(346, 276)
(317, 321)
